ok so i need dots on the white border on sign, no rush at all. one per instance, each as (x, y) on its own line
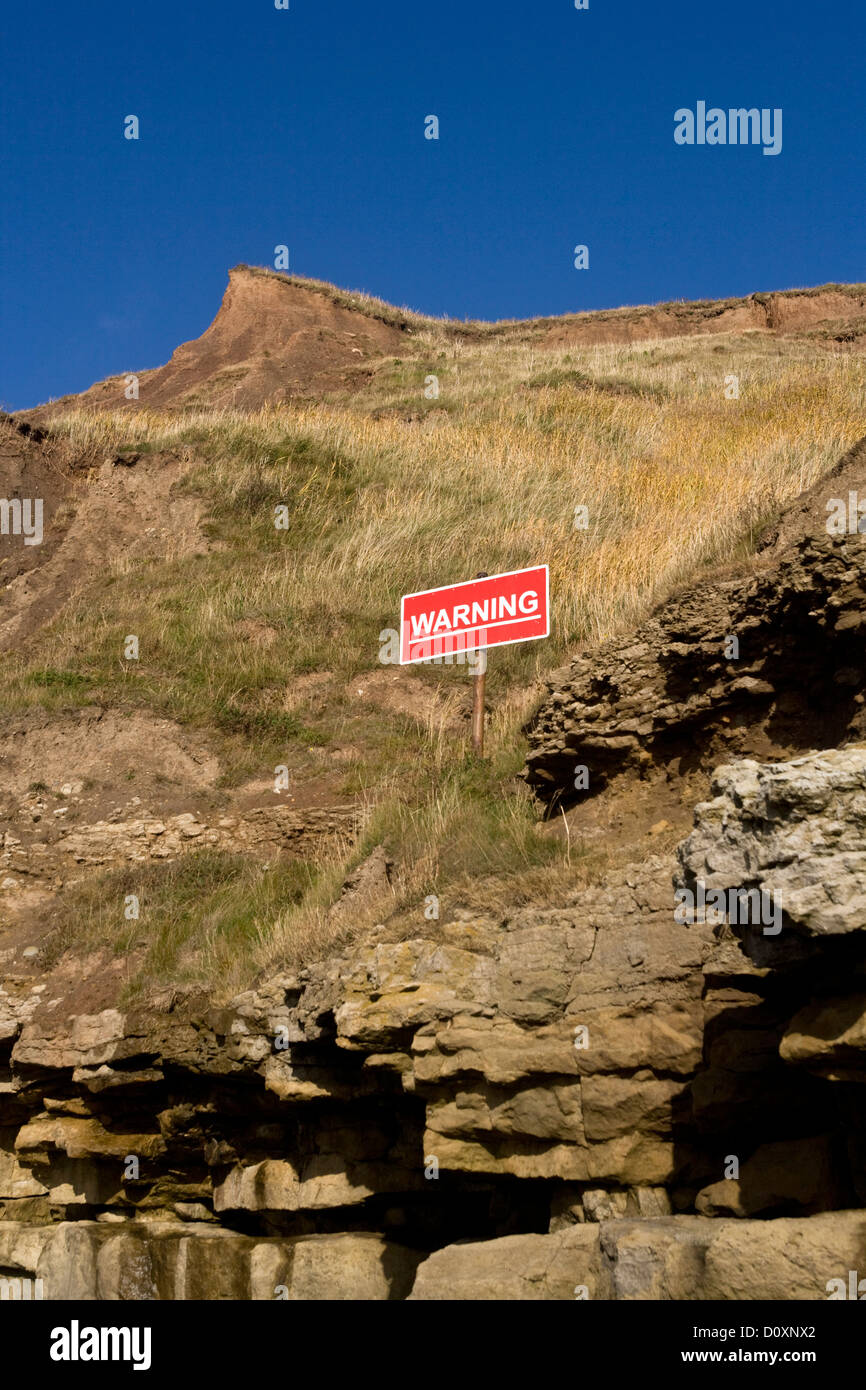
(461, 583)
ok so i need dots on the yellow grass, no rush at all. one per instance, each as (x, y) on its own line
(390, 492)
(494, 483)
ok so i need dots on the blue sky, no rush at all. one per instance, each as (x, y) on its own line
(305, 127)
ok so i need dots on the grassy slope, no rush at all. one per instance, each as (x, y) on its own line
(389, 492)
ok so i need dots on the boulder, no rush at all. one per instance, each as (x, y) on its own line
(695, 1257)
(564, 1265)
(794, 831)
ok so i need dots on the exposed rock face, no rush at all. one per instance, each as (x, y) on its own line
(260, 831)
(574, 1070)
(683, 1257)
(795, 832)
(609, 1099)
(169, 1260)
(556, 1045)
(686, 1257)
(560, 1266)
(676, 696)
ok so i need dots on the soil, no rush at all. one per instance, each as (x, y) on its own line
(96, 512)
(773, 313)
(275, 339)
(271, 340)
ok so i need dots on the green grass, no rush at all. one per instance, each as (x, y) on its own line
(675, 476)
(200, 917)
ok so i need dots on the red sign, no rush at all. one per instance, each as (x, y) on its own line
(491, 612)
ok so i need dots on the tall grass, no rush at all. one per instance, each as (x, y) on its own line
(387, 493)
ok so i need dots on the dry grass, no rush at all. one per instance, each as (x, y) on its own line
(673, 475)
(380, 507)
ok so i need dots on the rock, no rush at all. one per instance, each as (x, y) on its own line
(794, 831)
(522, 1158)
(540, 1112)
(790, 1176)
(618, 1105)
(16, 1181)
(785, 1259)
(526, 1267)
(829, 1037)
(599, 1205)
(635, 1159)
(83, 1138)
(348, 1268)
(367, 891)
(269, 1186)
(170, 1260)
(649, 1202)
(88, 1041)
(390, 988)
(495, 1049)
(694, 1257)
(624, 1037)
(191, 1211)
(324, 1182)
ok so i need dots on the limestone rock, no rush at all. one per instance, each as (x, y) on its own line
(324, 1181)
(170, 1260)
(561, 1266)
(694, 1257)
(83, 1138)
(795, 832)
(829, 1037)
(366, 891)
(791, 1175)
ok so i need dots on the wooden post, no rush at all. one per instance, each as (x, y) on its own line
(478, 702)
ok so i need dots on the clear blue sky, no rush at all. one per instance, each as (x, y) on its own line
(261, 126)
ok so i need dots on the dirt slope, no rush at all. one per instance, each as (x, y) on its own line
(270, 340)
(276, 337)
(95, 509)
(832, 310)
(32, 465)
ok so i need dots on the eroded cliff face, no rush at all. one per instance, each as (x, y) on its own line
(762, 663)
(610, 1097)
(564, 1089)
(465, 1084)
(279, 337)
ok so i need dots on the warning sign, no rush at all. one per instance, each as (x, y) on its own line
(489, 612)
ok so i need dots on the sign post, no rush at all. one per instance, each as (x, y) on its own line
(478, 683)
(488, 611)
